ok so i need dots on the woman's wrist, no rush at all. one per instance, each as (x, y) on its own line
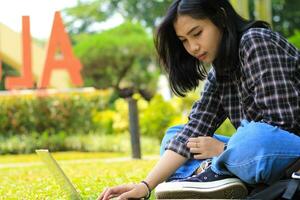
(148, 189)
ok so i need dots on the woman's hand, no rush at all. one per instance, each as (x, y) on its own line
(125, 191)
(205, 147)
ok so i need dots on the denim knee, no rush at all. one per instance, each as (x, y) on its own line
(258, 152)
(262, 138)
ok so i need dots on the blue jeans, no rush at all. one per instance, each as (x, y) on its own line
(256, 153)
(191, 165)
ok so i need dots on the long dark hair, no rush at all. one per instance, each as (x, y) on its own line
(185, 71)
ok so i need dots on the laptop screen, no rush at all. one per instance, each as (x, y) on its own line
(58, 174)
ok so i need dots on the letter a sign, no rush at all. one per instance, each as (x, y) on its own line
(60, 39)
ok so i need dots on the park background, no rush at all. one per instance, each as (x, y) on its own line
(88, 127)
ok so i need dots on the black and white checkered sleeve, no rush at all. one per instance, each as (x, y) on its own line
(206, 115)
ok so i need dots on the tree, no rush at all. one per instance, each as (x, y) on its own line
(81, 17)
(86, 14)
(285, 19)
(7, 70)
(242, 7)
(263, 10)
(149, 13)
(120, 58)
(286, 16)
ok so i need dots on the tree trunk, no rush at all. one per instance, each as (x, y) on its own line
(263, 10)
(242, 7)
(134, 128)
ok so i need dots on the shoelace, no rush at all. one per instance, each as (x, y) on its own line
(204, 165)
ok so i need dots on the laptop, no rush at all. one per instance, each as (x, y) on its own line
(60, 177)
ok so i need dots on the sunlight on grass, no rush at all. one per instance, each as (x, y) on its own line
(36, 182)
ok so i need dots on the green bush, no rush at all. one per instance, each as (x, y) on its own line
(157, 117)
(226, 128)
(295, 39)
(68, 112)
(19, 144)
(90, 142)
(84, 121)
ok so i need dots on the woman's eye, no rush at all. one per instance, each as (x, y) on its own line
(183, 41)
(198, 33)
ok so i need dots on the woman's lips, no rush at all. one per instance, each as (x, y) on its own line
(202, 56)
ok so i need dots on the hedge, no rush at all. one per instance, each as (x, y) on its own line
(68, 121)
(70, 112)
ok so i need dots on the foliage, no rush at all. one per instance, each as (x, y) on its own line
(85, 122)
(18, 144)
(121, 119)
(91, 142)
(226, 128)
(7, 70)
(295, 39)
(81, 17)
(119, 58)
(50, 114)
(286, 16)
(68, 155)
(89, 176)
(149, 13)
(157, 117)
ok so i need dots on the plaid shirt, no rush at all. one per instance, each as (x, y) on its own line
(266, 87)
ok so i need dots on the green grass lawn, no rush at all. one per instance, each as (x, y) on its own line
(25, 177)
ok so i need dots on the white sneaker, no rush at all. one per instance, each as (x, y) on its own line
(229, 188)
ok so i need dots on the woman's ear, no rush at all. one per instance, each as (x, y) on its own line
(223, 12)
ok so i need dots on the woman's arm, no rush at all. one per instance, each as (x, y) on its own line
(167, 164)
(206, 116)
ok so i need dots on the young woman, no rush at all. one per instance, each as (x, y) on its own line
(254, 81)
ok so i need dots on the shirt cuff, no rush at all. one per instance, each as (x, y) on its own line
(180, 148)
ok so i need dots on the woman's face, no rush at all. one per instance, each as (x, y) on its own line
(200, 37)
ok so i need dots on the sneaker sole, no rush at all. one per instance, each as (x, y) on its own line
(230, 188)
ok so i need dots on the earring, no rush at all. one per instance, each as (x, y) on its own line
(224, 12)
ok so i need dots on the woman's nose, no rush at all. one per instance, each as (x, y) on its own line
(195, 48)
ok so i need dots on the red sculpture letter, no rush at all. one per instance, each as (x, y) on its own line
(59, 39)
(25, 81)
